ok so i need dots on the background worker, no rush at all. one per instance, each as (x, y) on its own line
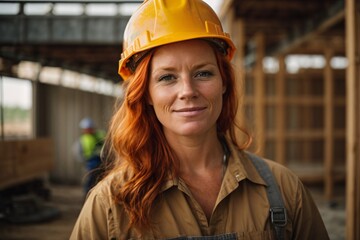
(91, 142)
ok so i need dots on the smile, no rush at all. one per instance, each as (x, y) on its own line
(190, 111)
(193, 109)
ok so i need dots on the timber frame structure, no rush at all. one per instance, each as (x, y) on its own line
(310, 118)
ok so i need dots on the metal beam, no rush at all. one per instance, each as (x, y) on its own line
(62, 29)
(70, 1)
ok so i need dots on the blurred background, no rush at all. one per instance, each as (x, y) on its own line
(299, 62)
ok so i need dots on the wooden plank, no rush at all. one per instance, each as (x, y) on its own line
(308, 134)
(310, 29)
(314, 173)
(239, 31)
(301, 100)
(283, 5)
(305, 135)
(314, 101)
(328, 125)
(280, 107)
(259, 102)
(34, 156)
(24, 160)
(352, 9)
(7, 158)
(306, 119)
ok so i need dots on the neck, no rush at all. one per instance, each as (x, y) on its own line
(198, 155)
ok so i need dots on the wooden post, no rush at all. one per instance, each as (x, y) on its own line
(305, 116)
(280, 115)
(352, 21)
(239, 37)
(259, 94)
(328, 125)
(239, 32)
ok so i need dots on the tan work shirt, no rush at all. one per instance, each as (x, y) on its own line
(241, 210)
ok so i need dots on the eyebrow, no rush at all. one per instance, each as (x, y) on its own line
(200, 65)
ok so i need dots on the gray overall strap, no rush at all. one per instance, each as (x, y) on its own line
(277, 207)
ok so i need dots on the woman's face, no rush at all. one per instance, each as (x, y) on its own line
(186, 88)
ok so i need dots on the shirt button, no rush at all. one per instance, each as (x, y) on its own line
(237, 176)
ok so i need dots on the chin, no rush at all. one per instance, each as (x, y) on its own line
(191, 131)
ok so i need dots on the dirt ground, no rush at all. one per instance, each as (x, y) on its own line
(68, 199)
(333, 213)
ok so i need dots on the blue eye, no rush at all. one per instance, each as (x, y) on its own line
(166, 77)
(204, 74)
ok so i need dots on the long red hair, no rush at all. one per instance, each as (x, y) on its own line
(139, 145)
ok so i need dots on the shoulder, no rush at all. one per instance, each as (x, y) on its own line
(295, 194)
(288, 182)
(107, 187)
(281, 173)
(110, 185)
(101, 194)
(100, 201)
(101, 217)
(298, 200)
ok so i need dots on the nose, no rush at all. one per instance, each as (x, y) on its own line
(188, 89)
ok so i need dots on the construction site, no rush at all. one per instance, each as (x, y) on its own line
(300, 70)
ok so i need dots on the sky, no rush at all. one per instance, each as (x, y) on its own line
(215, 4)
(16, 93)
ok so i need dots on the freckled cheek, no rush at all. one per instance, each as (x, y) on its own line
(216, 102)
(162, 103)
(214, 95)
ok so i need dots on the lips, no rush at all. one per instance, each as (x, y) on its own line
(190, 112)
(191, 109)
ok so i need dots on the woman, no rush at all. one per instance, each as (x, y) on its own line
(178, 169)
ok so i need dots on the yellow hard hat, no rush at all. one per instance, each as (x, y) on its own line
(159, 22)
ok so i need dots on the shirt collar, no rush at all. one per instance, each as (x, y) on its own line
(239, 167)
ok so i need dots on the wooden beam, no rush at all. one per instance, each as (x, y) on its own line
(238, 35)
(301, 33)
(316, 45)
(353, 119)
(310, 29)
(259, 94)
(273, 24)
(283, 5)
(305, 116)
(280, 108)
(238, 26)
(24, 160)
(328, 124)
